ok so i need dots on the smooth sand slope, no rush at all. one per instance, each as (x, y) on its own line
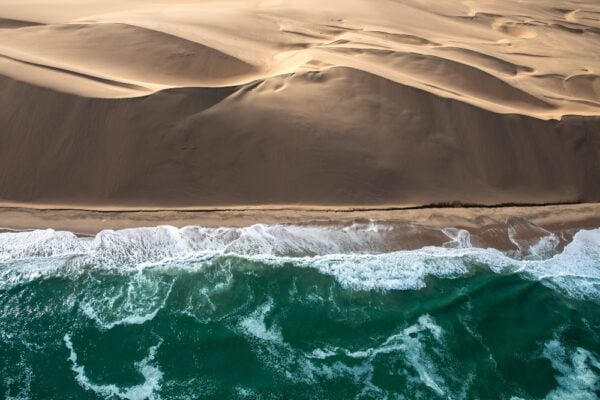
(326, 103)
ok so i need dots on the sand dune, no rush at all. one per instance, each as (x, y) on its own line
(200, 103)
(6, 23)
(127, 52)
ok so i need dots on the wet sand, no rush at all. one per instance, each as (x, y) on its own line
(414, 228)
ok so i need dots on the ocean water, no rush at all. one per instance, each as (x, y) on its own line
(296, 312)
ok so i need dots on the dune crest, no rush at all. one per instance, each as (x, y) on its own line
(457, 50)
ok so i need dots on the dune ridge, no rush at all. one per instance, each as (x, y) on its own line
(297, 102)
(474, 56)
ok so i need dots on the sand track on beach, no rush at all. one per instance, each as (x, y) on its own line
(276, 102)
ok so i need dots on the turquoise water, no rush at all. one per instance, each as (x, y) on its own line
(291, 312)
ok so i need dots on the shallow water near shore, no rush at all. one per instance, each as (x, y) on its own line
(296, 312)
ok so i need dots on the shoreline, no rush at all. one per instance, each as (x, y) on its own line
(418, 227)
(279, 207)
(90, 220)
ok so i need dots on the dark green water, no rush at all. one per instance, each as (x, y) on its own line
(223, 314)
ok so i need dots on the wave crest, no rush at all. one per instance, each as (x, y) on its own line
(358, 256)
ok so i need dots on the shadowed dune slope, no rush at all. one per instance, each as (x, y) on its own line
(261, 143)
(251, 102)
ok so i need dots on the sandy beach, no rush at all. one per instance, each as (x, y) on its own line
(495, 227)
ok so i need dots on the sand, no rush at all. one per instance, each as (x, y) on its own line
(229, 103)
(503, 228)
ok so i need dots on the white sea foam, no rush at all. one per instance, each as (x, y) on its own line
(409, 343)
(268, 343)
(532, 241)
(357, 256)
(459, 238)
(575, 271)
(255, 325)
(357, 365)
(142, 245)
(578, 372)
(137, 302)
(144, 391)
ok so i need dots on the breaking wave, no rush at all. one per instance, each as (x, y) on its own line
(312, 311)
(361, 256)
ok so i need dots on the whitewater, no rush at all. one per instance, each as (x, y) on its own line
(295, 312)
